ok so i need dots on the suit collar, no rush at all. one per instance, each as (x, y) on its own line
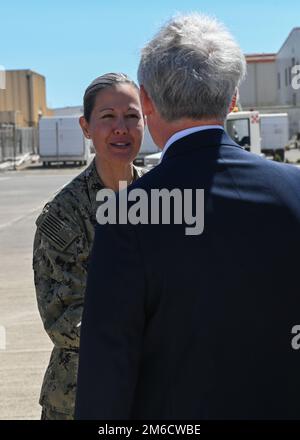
(205, 139)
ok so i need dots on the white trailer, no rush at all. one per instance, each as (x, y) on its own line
(61, 140)
(274, 129)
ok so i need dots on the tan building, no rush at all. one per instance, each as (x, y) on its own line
(23, 101)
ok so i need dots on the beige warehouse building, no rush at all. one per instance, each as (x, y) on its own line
(23, 101)
(269, 85)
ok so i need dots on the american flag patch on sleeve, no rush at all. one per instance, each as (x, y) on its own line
(58, 232)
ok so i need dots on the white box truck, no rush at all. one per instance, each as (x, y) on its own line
(274, 131)
(242, 127)
(61, 140)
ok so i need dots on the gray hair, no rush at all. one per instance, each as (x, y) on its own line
(191, 68)
(101, 83)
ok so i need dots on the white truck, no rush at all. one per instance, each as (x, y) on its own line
(274, 131)
(242, 127)
(61, 140)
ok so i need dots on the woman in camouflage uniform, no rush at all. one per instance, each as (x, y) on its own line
(65, 231)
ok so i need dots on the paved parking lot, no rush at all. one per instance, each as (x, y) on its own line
(22, 364)
(293, 155)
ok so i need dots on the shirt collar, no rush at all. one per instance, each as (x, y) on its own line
(182, 133)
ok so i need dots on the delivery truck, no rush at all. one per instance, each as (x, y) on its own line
(244, 129)
(274, 131)
(61, 140)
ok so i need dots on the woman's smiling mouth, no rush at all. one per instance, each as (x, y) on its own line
(120, 144)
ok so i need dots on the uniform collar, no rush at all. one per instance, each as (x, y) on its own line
(95, 184)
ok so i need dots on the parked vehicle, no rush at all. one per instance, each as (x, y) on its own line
(151, 160)
(61, 140)
(244, 129)
(274, 129)
(148, 147)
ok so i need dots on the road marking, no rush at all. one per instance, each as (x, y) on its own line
(22, 217)
(28, 350)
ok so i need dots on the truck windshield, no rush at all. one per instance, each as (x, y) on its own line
(239, 131)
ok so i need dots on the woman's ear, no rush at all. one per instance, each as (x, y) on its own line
(85, 127)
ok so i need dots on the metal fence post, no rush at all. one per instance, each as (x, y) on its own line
(14, 145)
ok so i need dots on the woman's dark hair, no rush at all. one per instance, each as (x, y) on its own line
(101, 83)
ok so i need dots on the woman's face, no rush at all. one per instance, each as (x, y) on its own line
(116, 125)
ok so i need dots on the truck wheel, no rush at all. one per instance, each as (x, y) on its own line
(279, 155)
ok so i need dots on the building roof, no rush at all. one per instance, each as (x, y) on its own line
(287, 38)
(260, 57)
(29, 71)
(268, 57)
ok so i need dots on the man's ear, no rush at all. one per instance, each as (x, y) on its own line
(84, 127)
(233, 101)
(147, 104)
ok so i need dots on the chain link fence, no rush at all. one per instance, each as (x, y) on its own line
(16, 141)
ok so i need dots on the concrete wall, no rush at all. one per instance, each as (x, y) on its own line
(287, 57)
(260, 85)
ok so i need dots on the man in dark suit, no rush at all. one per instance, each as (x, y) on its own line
(196, 324)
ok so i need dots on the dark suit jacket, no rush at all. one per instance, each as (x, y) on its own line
(198, 327)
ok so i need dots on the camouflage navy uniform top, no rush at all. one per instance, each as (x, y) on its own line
(62, 245)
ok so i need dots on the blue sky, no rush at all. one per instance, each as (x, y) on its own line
(72, 42)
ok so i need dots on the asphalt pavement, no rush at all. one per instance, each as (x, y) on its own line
(25, 353)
